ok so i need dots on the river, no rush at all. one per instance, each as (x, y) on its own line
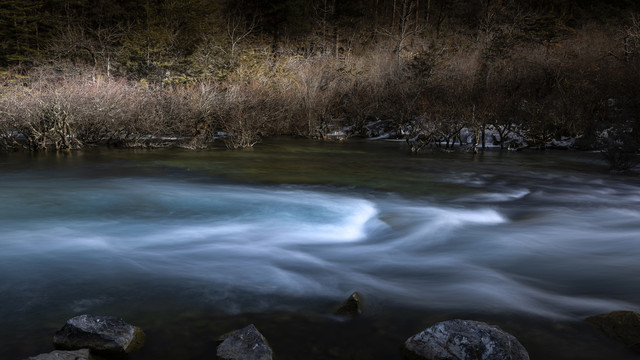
(189, 245)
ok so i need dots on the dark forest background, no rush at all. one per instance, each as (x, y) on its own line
(143, 72)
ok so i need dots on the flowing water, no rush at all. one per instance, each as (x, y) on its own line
(182, 242)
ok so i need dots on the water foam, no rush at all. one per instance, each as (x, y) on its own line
(230, 240)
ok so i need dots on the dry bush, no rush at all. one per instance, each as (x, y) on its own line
(429, 94)
(37, 119)
(445, 103)
(103, 110)
(114, 112)
(318, 84)
(18, 109)
(199, 127)
(74, 111)
(365, 91)
(244, 113)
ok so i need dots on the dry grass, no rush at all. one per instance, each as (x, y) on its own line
(431, 94)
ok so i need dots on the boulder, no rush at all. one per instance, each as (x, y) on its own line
(622, 326)
(351, 307)
(244, 344)
(82, 354)
(464, 340)
(101, 334)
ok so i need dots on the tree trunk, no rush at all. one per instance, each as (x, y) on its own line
(476, 136)
(335, 32)
(324, 28)
(417, 17)
(336, 46)
(426, 19)
(393, 14)
(374, 29)
(274, 41)
(441, 17)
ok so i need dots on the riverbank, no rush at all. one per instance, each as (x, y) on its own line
(377, 334)
(66, 112)
(509, 74)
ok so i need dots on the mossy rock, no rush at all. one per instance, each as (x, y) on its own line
(100, 334)
(352, 307)
(622, 326)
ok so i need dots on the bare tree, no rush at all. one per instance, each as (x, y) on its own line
(238, 29)
(106, 44)
(403, 25)
(315, 85)
(324, 10)
(631, 38)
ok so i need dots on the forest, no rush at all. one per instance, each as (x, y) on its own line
(190, 73)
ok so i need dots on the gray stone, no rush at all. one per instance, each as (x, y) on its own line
(82, 354)
(622, 326)
(464, 340)
(244, 344)
(102, 334)
(351, 307)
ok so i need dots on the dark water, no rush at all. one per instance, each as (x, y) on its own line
(190, 245)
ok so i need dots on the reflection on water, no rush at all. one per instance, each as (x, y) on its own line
(150, 231)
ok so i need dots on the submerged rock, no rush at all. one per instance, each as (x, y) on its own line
(622, 326)
(464, 340)
(351, 307)
(244, 344)
(102, 334)
(82, 354)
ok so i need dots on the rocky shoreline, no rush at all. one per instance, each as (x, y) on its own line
(93, 337)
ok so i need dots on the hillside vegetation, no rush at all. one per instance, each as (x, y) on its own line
(435, 72)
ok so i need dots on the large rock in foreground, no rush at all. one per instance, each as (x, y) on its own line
(622, 326)
(245, 344)
(101, 334)
(464, 340)
(82, 354)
